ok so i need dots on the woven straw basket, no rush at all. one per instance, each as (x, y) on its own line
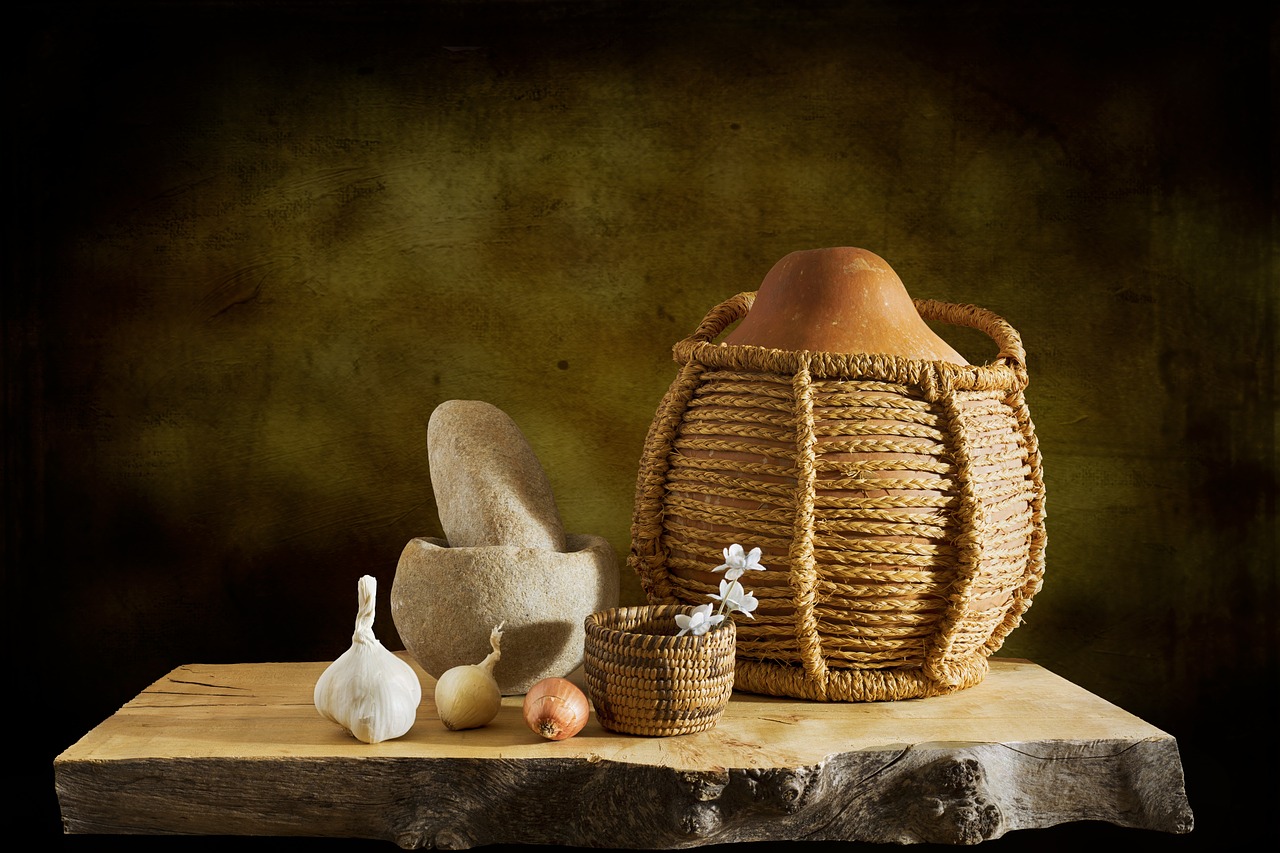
(644, 680)
(899, 505)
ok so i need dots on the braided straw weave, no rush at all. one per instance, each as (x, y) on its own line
(899, 505)
(644, 680)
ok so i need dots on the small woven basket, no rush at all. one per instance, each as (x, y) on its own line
(644, 680)
(899, 504)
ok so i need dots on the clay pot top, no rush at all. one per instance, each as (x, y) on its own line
(844, 300)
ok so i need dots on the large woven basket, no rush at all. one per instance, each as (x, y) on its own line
(899, 505)
(644, 680)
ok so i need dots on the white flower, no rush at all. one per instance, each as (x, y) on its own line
(736, 562)
(734, 597)
(698, 622)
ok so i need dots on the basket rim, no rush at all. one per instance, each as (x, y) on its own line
(597, 627)
(1006, 372)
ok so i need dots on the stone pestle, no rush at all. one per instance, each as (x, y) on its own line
(490, 488)
(505, 558)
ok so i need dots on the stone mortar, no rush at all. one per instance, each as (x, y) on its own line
(445, 601)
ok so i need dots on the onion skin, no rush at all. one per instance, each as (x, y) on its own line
(467, 697)
(556, 708)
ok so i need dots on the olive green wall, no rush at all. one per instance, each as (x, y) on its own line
(256, 245)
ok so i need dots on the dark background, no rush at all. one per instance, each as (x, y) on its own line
(251, 246)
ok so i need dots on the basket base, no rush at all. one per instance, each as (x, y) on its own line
(855, 685)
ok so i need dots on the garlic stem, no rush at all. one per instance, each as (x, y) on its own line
(367, 599)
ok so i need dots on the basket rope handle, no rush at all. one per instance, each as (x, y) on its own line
(992, 325)
(989, 323)
(723, 316)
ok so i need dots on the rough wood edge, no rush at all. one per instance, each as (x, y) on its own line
(961, 793)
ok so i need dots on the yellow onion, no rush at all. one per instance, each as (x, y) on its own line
(467, 695)
(556, 708)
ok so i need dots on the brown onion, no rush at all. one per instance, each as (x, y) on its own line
(556, 708)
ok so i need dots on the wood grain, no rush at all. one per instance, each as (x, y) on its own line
(240, 750)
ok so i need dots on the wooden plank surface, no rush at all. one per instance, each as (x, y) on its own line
(240, 750)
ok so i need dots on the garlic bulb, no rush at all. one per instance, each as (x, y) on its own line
(369, 691)
(467, 696)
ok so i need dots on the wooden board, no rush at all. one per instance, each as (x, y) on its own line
(240, 750)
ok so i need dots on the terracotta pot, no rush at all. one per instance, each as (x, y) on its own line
(838, 300)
